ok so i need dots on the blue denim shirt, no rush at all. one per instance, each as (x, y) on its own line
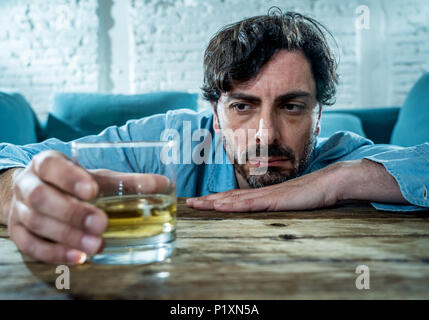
(409, 166)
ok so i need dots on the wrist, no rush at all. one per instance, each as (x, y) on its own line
(346, 177)
(366, 180)
(335, 181)
(361, 179)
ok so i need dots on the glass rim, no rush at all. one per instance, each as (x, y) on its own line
(123, 144)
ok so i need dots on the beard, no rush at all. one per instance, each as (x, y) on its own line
(275, 175)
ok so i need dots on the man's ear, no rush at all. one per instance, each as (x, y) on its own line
(318, 121)
(216, 126)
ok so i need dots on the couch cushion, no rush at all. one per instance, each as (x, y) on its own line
(377, 123)
(333, 122)
(18, 122)
(412, 127)
(74, 115)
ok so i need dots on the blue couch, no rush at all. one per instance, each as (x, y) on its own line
(74, 115)
(78, 114)
(403, 126)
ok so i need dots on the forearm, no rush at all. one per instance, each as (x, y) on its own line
(367, 180)
(6, 191)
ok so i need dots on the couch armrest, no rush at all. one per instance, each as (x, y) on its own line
(18, 122)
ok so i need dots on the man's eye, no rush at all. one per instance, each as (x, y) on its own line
(241, 107)
(293, 107)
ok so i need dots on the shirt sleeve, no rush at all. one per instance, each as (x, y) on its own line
(409, 166)
(149, 128)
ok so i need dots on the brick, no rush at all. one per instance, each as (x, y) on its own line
(40, 56)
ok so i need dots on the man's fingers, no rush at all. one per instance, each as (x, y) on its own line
(220, 195)
(54, 168)
(43, 250)
(236, 193)
(57, 231)
(200, 204)
(231, 205)
(47, 200)
(111, 182)
(249, 205)
(206, 202)
(228, 196)
(245, 200)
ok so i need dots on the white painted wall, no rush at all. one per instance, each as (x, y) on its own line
(134, 46)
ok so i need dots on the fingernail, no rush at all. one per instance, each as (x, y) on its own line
(192, 202)
(76, 257)
(95, 224)
(84, 190)
(91, 244)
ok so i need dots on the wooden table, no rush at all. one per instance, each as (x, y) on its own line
(271, 255)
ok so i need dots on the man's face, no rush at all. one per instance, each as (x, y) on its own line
(280, 100)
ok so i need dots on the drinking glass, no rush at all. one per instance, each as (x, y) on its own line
(137, 191)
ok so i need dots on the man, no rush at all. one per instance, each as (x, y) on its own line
(269, 75)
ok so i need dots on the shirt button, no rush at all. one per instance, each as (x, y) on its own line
(425, 192)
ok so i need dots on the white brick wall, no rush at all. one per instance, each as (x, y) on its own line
(76, 45)
(48, 46)
(409, 44)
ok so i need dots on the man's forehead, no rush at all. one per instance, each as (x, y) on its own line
(250, 96)
(287, 71)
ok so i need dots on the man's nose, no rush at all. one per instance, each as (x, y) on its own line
(267, 131)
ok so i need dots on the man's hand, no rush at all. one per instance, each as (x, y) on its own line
(310, 191)
(49, 219)
(358, 179)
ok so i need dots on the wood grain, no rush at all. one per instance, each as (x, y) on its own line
(271, 255)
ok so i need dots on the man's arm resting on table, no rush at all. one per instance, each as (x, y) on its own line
(368, 180)
(357, 179)
(6, 192)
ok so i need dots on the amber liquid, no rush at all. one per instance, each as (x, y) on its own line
(138, 216)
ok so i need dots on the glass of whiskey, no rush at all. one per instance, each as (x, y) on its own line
(137, 191)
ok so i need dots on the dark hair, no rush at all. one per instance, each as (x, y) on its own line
(239, 50)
